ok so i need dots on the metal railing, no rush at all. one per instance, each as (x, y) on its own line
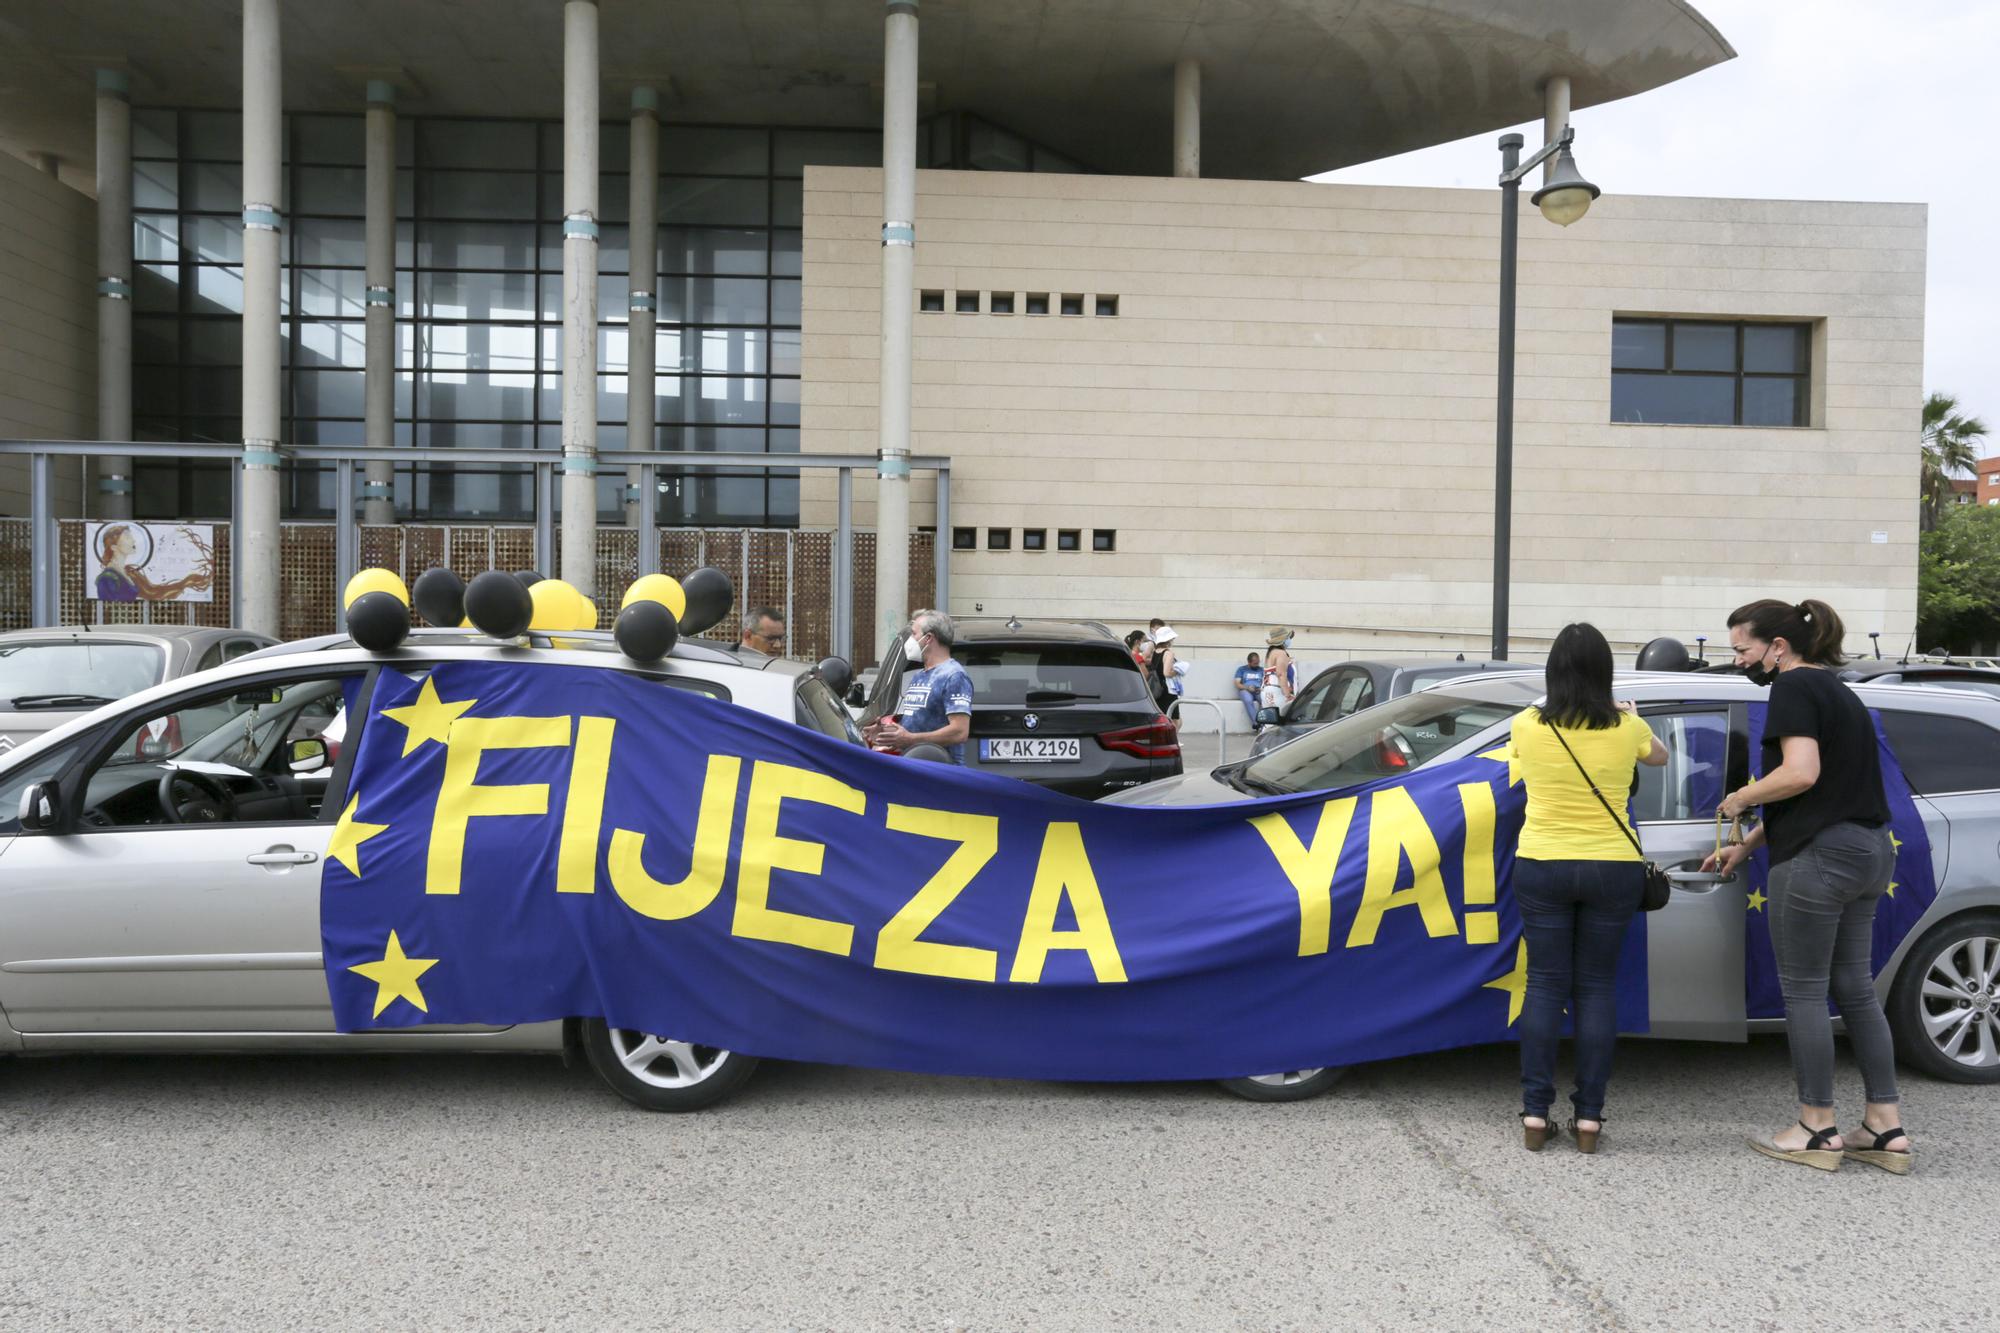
(45, 562)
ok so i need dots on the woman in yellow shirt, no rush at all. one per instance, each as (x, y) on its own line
(1577, 877)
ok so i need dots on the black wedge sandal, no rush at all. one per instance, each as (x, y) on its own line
(1896, 1161)
(1815, 1154)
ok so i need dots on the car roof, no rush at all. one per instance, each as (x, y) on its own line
(122, 633)
(1955, 670)
(993, 627)
(1524, 687)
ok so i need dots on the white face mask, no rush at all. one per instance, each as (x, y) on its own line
(913, 650)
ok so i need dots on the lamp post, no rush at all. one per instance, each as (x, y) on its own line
(1563, 199)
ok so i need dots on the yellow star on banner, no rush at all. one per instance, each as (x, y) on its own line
(1896, 842)
(1757, 901)
(1515, 983)
(349, 834)
(395, 976)
(428, 719)
(1892, 888)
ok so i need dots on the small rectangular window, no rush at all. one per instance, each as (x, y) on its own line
(931, 301)
(1034, 539)
(965, 539)
(1103, 539)
(1038, 303)
(1000, 303)
(1107, 307)
(1707, 372)
(999, 539)
(968, 303)
(1069, 539)
(1072, 303)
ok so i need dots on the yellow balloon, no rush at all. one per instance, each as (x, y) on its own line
(554, 605)
(586, 612)
(375, 580)
(657, 588)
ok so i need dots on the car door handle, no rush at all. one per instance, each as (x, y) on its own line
(1700, 877)
(276, 858)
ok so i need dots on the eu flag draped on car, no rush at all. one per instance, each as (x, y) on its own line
(530, 841)
(1911, 891)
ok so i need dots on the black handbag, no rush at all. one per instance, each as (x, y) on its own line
(1658, 887)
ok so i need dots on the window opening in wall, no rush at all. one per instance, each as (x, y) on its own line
(931, 301)
(1038, 303)
(1034, 539)
(999, 539)
(1069, 539)
(1103, 539)
(965, 539)
(968, 303)
(1107, 307)
(1072, 303)
(1000, 303)
(1711, 372)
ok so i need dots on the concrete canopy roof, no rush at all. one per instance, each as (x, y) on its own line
(1290, 87)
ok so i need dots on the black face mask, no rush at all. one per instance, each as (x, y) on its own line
(1759, 674)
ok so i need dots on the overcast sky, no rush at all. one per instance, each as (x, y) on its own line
(1826, 99)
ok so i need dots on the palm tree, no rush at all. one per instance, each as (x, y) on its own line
(1950, 448)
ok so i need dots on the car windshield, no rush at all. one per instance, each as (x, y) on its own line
(1050, 675)
(57, 670)
(1382, 742)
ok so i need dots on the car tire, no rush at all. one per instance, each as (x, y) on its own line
(1294, 1085)
(660, 1074)
(1953, 1031)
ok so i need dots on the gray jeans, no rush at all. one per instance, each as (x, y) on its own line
(1822, 906)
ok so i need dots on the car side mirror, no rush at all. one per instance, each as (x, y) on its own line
(308, 756)
(41, 807)
(1267, 717)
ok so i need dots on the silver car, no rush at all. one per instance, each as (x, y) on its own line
(50, 676)
(159, 876)
(1941, 987)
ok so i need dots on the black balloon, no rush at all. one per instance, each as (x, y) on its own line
(528, 577)
(837, 674)
(1664, 654)
(377, 621)
(646, 631)
(499, 605)
(935, 754)
(709, 597)
(440, 597)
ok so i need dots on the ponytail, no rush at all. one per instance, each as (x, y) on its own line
(1812, 628)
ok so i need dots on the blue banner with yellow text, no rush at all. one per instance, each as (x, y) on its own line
(529, 841)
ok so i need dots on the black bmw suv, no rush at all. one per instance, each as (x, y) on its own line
(1057, 703)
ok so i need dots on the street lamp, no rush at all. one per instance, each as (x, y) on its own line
(1563, 199)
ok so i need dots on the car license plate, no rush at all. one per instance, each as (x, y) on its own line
(1032, 749)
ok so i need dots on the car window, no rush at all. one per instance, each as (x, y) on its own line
(1386, 741)
(1355, 692)
(41, 768)
(44, 673)
(822, 712)
(1051, 675)
(238, 740)
(1942, 754)
(1305, 705)
(236, 648)
(211, 658)
(1704, 763)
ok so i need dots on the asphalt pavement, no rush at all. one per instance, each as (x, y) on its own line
(512, 1193)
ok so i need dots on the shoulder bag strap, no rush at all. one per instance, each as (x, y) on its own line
(1622, 826)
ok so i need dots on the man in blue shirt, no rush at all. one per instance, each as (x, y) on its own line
(936, 704)
(1249, 682)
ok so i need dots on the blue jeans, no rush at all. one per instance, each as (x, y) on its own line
(1249, 705)
(1575, 914)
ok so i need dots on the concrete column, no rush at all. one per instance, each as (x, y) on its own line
(378, 489)
(579, 401)
(1555, 115)
(640, 357)
(1187, 117)
(114, 288)
(899, 266)
(263, 190)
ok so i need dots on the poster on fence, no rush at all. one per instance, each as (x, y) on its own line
(149, 562)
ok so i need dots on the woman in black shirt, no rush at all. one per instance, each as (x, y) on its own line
(1826, 821)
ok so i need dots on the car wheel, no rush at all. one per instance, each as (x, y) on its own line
(662, 1074)
(1945, 1007)
(1293, 1085)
